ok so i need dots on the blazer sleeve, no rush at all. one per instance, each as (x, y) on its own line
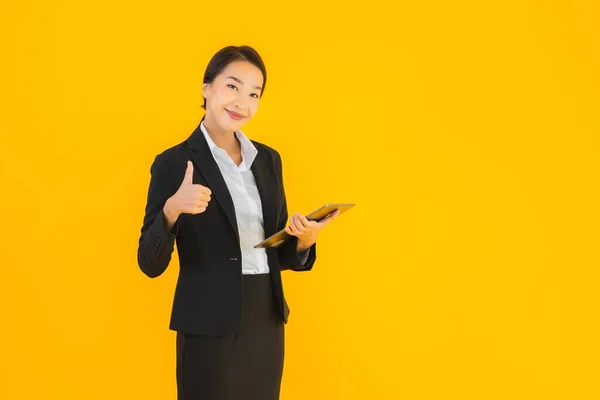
(156, 243)
(288, 256)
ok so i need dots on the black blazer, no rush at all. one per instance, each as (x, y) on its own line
(208, 295)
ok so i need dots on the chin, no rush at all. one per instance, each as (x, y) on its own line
(230, 125)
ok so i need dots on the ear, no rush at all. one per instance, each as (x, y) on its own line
(205, 89)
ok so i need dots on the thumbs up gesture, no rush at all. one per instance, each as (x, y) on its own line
(189, 198)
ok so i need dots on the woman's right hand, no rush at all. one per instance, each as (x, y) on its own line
(189, 198)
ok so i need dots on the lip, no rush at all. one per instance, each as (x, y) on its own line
(235, 115)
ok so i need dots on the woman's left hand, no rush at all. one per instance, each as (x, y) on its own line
(307, 231)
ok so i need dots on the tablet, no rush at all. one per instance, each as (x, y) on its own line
(320, 213)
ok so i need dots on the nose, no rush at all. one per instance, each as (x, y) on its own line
(240, 103)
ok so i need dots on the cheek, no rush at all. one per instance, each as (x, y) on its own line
(220, 99)
(253, 107)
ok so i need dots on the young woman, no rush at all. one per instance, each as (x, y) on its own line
(216, 195)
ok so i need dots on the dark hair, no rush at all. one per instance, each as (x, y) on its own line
(229, 54)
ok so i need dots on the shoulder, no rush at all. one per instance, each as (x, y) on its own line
(172, 154)
(274, 154)
(169, 162)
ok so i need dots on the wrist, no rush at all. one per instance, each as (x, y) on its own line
(302, 247)
(170, 211)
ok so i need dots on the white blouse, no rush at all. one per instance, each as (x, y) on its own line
(246, 200)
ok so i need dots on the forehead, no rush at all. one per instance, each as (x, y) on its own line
(245, 71)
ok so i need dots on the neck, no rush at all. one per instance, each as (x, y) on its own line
(223, 139)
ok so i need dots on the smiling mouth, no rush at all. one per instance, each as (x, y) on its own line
(235, 115)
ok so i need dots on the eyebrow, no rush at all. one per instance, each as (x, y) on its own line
(238, 80)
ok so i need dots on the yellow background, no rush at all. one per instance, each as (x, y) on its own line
(465, 131)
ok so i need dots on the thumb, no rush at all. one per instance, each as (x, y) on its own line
(330, 218)
(189, 173)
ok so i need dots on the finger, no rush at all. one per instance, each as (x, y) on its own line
(198, 210)
(189, 173)
(297, 224)
(330, 217)
(295, 230)
(200, 195)
(305, 222)
(290, 226)
(203, 189)
(291, 231)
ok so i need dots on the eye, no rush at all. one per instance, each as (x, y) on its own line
(232, 86)
(254, 95)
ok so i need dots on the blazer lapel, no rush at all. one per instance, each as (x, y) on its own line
(266, 183)
(264, 174)
(204, 160)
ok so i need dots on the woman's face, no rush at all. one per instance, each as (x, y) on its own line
(232, 98)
